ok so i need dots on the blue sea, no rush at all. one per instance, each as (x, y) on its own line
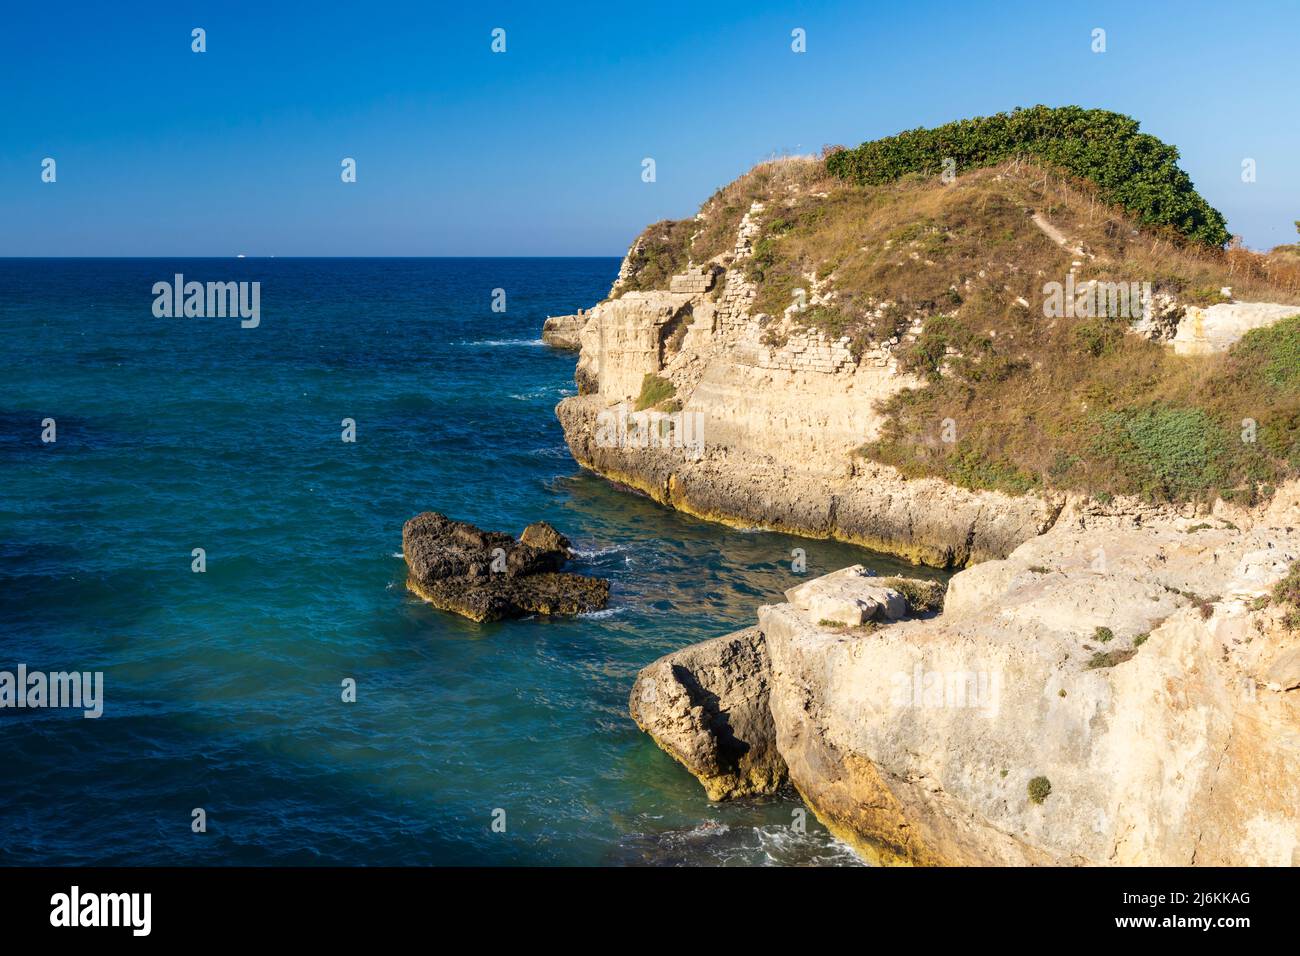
(222, 689)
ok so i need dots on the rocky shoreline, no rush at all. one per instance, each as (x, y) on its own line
(561, 331)
(926, 521)
(1111, 693)
(1108, 681)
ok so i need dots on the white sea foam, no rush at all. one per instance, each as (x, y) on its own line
(542, 392)
(590, 554)
(782, 845)
(601, 615)
(499, 343)
(557, 452)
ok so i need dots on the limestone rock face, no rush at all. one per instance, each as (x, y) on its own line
(1202, 331)
(779, 421)
(627, 338)
(753, 483)
(848, 596)
(563, 331)
(1128, 663)
(706, 705)
(488, 575)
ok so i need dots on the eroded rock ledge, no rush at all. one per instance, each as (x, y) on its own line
(1132, 672)
(849, 499)
(767, 414)
(489, 575)
(561, 331)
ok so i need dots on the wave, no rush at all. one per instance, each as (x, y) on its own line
(499, 343)
(715, 843)
(602, 615)
(543, 391)
(783, 846)
(590, 554)
(560, 451)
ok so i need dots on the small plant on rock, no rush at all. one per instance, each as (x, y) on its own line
(654, 390)
(1109, 658)
(1039, 788)
(1287, 592)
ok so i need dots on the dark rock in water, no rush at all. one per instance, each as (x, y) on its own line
(488, 575)
(542, 536)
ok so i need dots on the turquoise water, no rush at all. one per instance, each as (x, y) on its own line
(223, 688)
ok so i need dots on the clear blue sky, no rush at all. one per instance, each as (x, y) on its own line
(538, 151)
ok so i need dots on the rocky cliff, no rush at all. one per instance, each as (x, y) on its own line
(1115, 691)
(991, 370)
(701, 389)
(775, 428)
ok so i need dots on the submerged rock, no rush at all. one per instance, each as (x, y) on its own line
(489, 575)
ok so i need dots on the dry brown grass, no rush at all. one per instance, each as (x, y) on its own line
(1037, 402)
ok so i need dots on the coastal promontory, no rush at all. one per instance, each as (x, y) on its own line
(1023, 348)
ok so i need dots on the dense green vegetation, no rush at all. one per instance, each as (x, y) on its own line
(654, 390)
(1133, 170)
(661, 252)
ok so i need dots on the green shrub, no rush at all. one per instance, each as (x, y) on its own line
(1141, 639)
(1099, 335)
(1103, 634)
(1204, 297)
(926, 355)
(1274, 352)
(1166, 452)
(1109, 658)
(971, 469)
(653, 391)
(1039, 788)
(1287, 591)
(922, 596)
(1131, 169)
(664, 251)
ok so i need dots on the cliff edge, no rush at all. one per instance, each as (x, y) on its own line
(934, 365)
(1107, 694)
